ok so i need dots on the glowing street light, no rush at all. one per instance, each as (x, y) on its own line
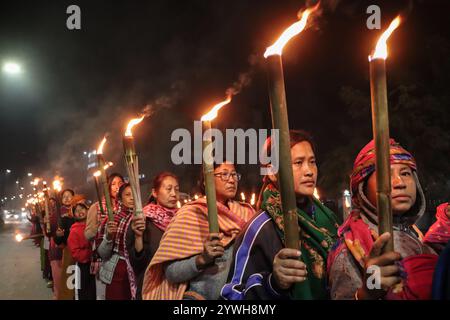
(12, 68)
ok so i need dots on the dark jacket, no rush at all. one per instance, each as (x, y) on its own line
(140, 260)
(441, 277)
(258, 243)
(65, 223)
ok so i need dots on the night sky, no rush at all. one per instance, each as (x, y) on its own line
(180, 57)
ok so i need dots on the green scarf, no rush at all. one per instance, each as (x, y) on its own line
(317, 236)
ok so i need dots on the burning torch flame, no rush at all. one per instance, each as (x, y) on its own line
(289, 33)
(243, 196)
(109, 164)
(381, 48)
(213, 113)
(131, 124)
(57, 185)
(36, 181)
(100, 147)
(106, 166)
(178, 204)
(19, 237)
(253, 199)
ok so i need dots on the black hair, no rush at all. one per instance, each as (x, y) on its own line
(111, 179)
(295, 136)
(68, 190)
(121, 190)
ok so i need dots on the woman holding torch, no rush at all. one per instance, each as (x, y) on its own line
(192, 263)
(116, 271)
(55, 251)
(65, 222)
(95, 216)
(405, 273)
(145, 231)
(263, 268)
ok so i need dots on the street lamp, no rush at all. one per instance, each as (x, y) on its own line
(12, 68)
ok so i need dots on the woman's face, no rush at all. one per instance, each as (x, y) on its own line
(168, 193)
(127, 198)
(403, 188)
(52, 203)
(226, 180)
(115, 186)
(80, 212)
(304, 168)
(66, 198)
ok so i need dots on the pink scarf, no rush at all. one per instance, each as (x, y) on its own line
(439, 232)
(159, 215)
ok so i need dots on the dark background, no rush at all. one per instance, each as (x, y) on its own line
(181, 56)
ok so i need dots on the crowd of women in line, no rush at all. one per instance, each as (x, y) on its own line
(168, 252)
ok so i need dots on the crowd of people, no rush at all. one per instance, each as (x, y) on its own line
(168, 252)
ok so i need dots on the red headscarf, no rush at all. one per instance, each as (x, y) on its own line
(439, 232)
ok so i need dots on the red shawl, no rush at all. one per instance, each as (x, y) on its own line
(159, 215)
(439, 232)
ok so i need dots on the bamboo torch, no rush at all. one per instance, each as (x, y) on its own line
(208, 165)
(97, 190)
(278, 107)
(46, 207)
(132, 164)
(380, 126)
(104, 180)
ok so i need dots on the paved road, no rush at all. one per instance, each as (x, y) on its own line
(20, 268)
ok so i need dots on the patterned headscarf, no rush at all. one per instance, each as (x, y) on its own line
(364, 164)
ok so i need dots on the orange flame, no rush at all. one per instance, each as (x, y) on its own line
(100, 147)
(253, 199)
(109, 164)
(19, 237)
(36, 181)
(97, 173)
(57, 185)
(213, 113)
(381, 48)
(289, 33)
(131, 124)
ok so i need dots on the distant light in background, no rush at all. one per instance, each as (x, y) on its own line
(316, 194)
(30, 174)
(12, 68)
